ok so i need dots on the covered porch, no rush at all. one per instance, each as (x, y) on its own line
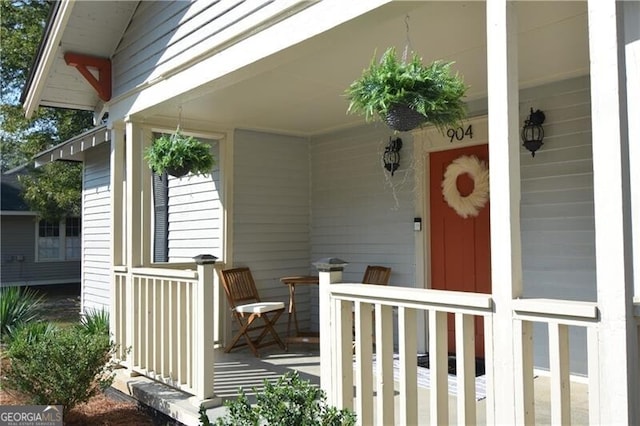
(383, 382)
(409, 316)
(297, 180)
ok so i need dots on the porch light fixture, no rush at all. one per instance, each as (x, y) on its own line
(532, 131)
(391, 156)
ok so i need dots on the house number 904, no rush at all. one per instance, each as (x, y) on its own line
(459, 133)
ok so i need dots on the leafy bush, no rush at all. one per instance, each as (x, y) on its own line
(18, 306)
(290, 402)
(95, 322)
(60, 366)
(33, 331)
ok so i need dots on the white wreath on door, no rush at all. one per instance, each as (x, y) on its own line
(476, 200)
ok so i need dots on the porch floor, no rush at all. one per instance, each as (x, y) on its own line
(241, 369)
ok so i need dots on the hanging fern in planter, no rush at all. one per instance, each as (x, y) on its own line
(178, 155)
(408, 94)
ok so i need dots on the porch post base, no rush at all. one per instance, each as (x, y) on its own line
(214, 401)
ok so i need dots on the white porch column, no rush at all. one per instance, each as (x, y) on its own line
(205, 300)
(504, 169)
(632, 57)
(617, 345)
(116, 185)
(138, 204)
(330, 272)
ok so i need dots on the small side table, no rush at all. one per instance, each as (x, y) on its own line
(299, 336)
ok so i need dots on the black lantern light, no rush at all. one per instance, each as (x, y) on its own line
(532, 131)
(391, 156)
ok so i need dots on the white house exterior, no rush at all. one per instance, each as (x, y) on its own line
(298, 180)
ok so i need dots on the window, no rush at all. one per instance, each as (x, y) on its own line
(72, 238)
(59, 240)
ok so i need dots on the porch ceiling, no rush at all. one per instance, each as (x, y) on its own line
(300, 90)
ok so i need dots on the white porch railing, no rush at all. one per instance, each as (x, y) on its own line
(378, 408)
(558, 315)
(163, 323)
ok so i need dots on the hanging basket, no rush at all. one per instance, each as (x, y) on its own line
(402, 118)
(180, 171)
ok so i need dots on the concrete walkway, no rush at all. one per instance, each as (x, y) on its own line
(242, 369)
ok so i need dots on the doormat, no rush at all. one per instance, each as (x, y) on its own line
(423, 361)
(424, 378)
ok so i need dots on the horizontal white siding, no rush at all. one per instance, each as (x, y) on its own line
(96, 229)
(271, 213)
(361, 213)
(163, 35)
(558, 238)
(195, 214)
(558, 231)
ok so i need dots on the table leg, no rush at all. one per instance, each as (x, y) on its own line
(292, 311)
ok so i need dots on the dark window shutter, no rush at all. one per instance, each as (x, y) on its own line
(161, 218)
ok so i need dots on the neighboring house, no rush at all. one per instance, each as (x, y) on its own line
(297, 179)
(35, 251)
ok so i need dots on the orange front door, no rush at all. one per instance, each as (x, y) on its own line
(460, 247)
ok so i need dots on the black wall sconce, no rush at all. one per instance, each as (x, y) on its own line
(532, 131)
(391, 156)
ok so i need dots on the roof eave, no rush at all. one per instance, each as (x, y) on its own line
(73, 149)
(58, 18)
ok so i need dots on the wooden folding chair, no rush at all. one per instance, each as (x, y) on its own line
(376, 275)
(372, 275)
(246, 307)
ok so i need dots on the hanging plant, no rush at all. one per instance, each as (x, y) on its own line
(178, 155)
(406, 95)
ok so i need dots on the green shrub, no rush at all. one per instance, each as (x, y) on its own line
(95, 322)
(289, 402)
(34, 331)
(18, 306)
(64, 366)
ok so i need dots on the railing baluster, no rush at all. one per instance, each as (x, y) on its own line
(407, 331)
(488, 370)
(560, 392)
(190, 330)
(439, 366)
(384, 365)
(157, 326)
(364, 356)
(137, 307)
(148, 321)
(593, 366)
(465, 368)
(164, 328)
(523, 347)
(344, 355)
(174, 359)
(180, 335)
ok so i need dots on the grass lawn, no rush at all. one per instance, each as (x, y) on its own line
(61, 303)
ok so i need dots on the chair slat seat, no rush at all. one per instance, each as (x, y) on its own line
(260, 307)
(246, 308)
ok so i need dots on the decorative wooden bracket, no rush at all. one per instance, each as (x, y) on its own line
(81, 62)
